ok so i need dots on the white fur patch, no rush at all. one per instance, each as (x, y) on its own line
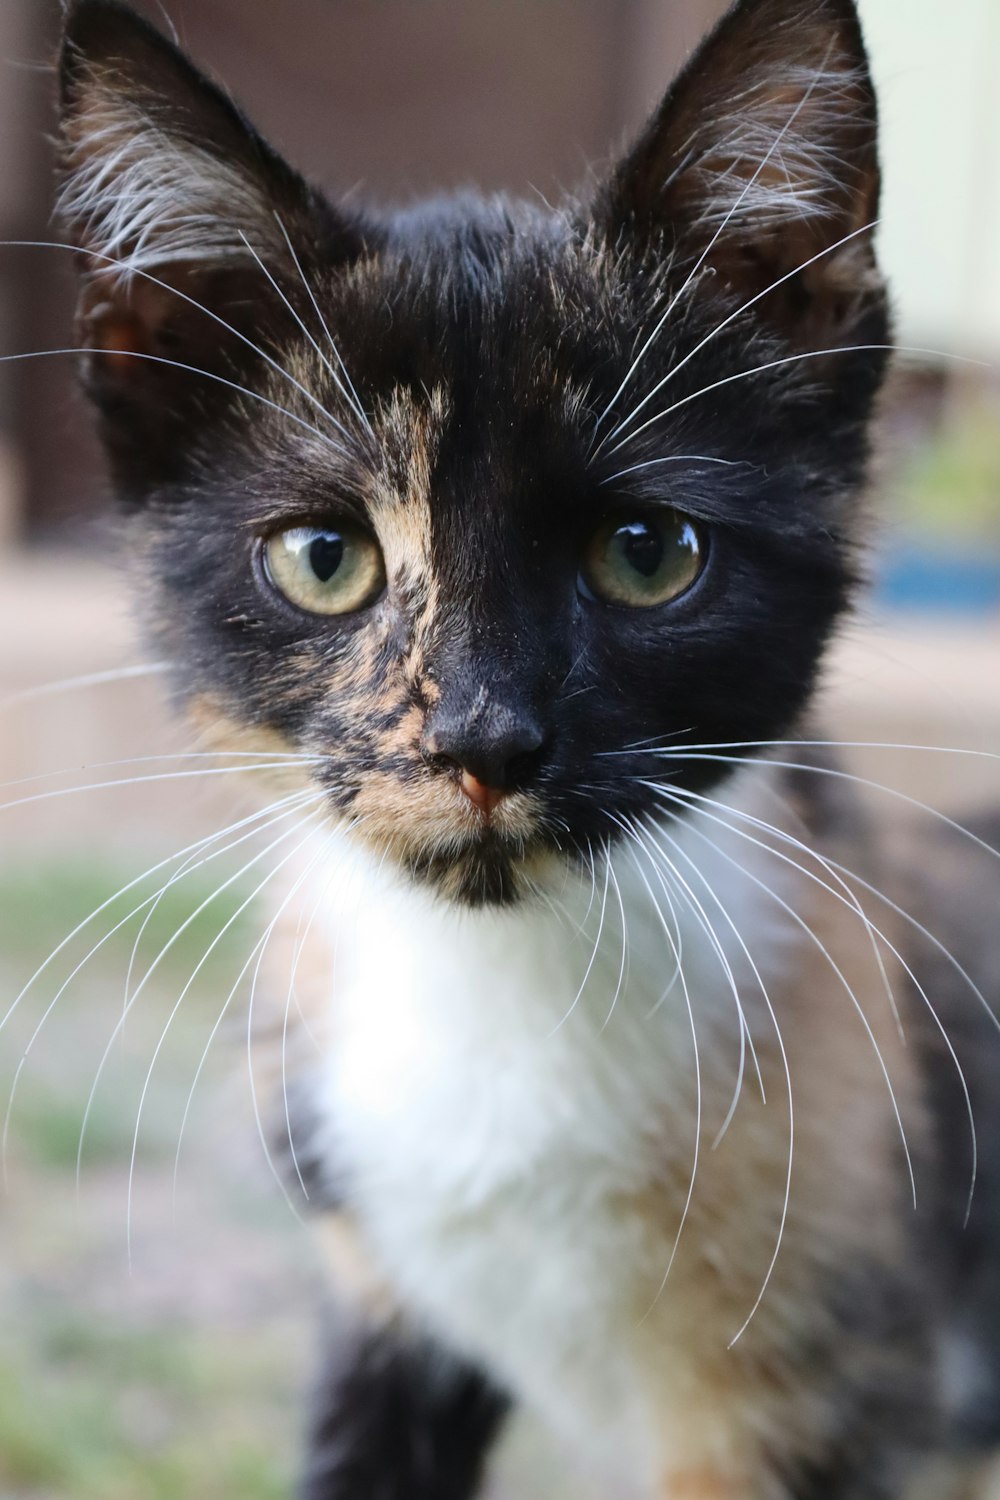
(501, 1086)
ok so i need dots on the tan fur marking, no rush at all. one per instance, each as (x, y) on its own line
(702, 1484)
(847, 1183)
(401, 509)
(432, 815)
(353, 1273)
(217, 730)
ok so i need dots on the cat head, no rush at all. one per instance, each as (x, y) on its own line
(478, 502)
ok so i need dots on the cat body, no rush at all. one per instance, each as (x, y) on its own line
(516, 1156)
(515, 537)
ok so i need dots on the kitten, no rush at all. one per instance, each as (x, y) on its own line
(522, 532)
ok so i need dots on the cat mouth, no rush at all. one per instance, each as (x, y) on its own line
(469, 844)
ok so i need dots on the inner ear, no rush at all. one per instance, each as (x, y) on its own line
(162, 177)
(763, 160)
(115, 329)
(126, 327)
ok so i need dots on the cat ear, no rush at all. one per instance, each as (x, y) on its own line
(764, 156)
(159, 166)
(177, 204)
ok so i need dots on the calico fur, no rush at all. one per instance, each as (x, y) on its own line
(612, 1113)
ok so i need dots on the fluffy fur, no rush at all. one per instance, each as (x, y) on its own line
(613, 1115)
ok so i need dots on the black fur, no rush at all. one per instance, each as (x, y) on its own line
(397, 1419)
(954, 891)
(526, 323)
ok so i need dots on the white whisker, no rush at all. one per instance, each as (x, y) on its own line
(792, 359)
(189, 982)
(745, 307)
(349, 392)
(704, 922)
(689, 1008)
(800, 922)
(289, 806)
(673, 458)
(87, 680)
(176, 364)
(115, 262)
(262, 945)
(623, 969)
(158, 776)
(322, 356)
(842, 775)
(597, 943)
(720, 230)
(199, 844)
(874, 931)
(302, 939)
(788, 1093)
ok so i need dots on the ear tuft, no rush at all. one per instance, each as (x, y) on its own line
(158, 165)
(186, 221)
(765, 149)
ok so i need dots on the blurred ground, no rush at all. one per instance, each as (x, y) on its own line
(183, 1375)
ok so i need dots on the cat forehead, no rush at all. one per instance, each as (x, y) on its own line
(449, 269)
(417, 445)
(476, 332)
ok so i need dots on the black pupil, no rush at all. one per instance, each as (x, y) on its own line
(643, 548)
(326, 554)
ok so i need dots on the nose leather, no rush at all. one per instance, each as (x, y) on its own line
(488, 742)
(485, 799)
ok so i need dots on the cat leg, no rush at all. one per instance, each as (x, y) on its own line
(398, 1417)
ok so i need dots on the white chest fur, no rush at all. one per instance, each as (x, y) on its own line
(500, 1087)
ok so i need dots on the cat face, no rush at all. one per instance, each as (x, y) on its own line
(480, 503)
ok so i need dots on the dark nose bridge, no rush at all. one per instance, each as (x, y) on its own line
(490, 664)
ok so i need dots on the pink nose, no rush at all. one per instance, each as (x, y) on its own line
(485, 799)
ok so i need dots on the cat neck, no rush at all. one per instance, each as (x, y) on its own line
(650, 931)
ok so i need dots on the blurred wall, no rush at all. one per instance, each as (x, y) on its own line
(937, 67)
(390, 97)
(23, 190)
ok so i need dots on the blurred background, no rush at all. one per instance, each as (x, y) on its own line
(180, 1374)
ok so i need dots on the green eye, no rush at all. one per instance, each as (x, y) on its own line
(642, 563)
(326, 571)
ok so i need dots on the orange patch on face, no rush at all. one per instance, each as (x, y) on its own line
(218, 731)
(119, 335)
(432, 815)
(353, 1272)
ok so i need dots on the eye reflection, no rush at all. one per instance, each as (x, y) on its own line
(643, 562)
(332, 570)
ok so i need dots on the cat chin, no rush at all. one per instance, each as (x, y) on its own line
(477, 878)
(488, 874)
(491, 873)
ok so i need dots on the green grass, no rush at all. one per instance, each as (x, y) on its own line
(48, 1122)
(182, 1380)
(148, 1414)
(40, 905)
